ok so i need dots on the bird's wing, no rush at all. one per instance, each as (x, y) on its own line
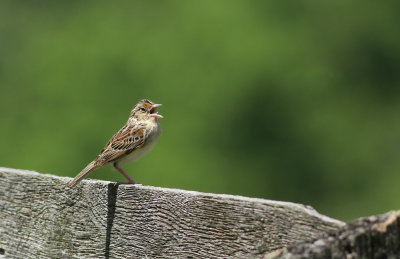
(124, 141)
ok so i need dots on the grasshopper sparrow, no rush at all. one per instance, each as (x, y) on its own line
(130, 143)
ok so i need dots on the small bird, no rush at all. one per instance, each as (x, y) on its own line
(130, 143)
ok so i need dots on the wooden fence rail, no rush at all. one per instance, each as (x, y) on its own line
(42, 218)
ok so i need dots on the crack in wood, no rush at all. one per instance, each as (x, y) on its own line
(111, 205)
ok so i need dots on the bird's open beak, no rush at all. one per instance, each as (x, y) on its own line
(153, 112)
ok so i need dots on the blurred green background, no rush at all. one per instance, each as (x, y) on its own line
(286, 100)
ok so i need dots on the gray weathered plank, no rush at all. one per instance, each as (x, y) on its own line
(371, 237)
(41, 218)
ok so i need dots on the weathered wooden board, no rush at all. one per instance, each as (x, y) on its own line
(370, 237)
(42, 218)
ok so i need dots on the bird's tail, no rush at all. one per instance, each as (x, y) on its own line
(89, 168)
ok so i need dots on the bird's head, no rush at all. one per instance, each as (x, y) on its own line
(145, 110)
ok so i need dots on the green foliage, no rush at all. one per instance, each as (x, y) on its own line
(293, 100)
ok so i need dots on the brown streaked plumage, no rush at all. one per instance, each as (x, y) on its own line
(130, 143)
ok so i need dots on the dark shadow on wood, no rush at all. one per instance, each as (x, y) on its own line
(112, 200)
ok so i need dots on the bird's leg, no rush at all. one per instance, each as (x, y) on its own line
(130, 180)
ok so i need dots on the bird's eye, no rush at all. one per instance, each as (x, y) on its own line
(143, 109)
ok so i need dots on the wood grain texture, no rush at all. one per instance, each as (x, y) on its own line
(370, 237)
(42, 218)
